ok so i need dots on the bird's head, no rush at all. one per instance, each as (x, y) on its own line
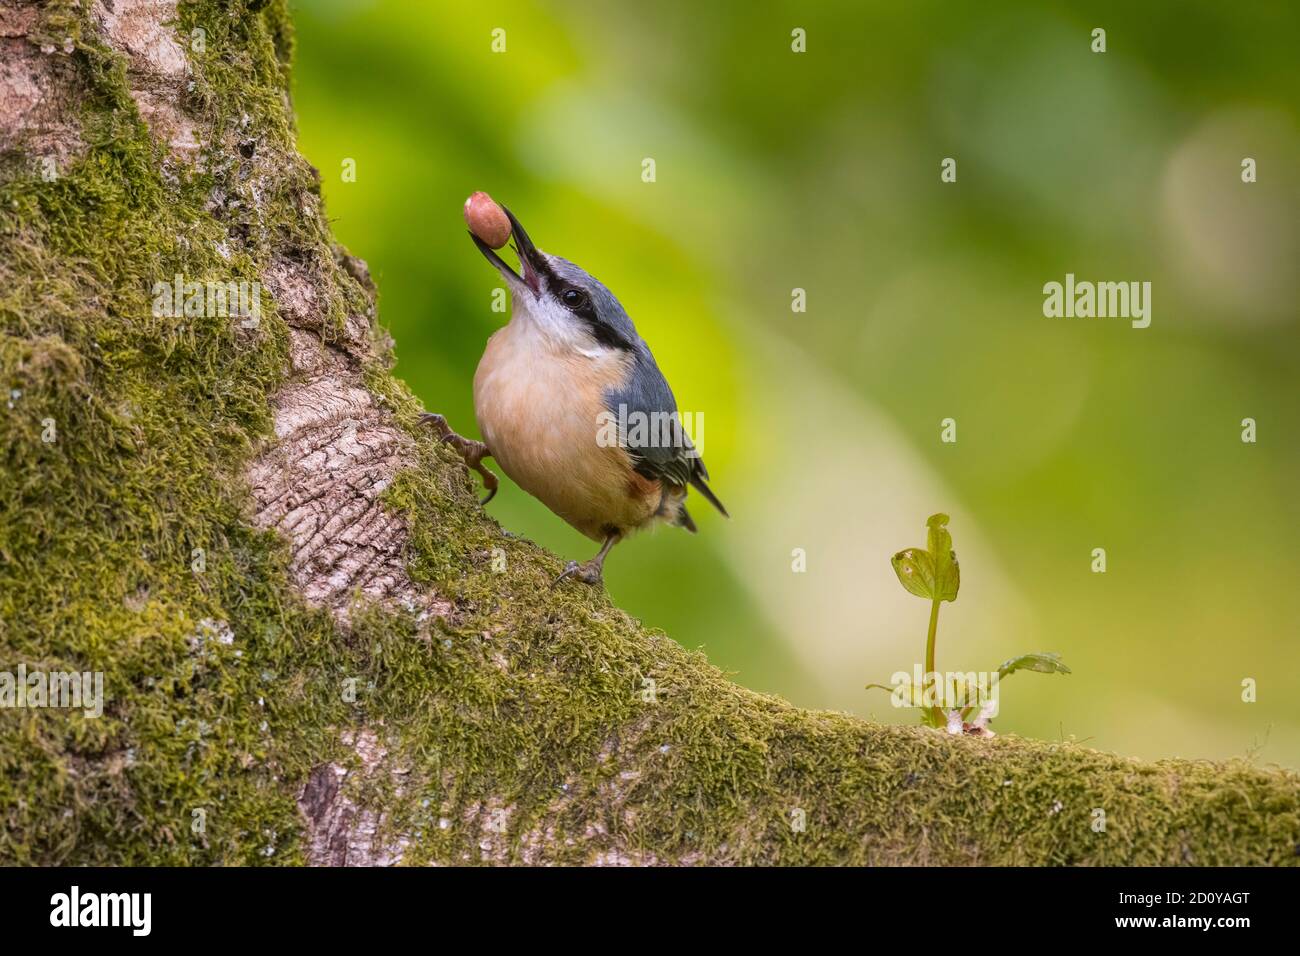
(562, 299)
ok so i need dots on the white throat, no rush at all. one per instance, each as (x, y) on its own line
(554, 326)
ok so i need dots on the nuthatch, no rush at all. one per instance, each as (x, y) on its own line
(568, 363)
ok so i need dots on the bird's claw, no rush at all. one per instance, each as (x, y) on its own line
(588, 572)
(472, 451)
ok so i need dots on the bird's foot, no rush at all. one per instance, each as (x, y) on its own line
(472, 451)
(588, 572)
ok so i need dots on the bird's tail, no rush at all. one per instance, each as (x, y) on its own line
(697, 482)
(684, 520)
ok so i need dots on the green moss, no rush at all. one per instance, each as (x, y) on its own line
(535, 700)
(522, 698)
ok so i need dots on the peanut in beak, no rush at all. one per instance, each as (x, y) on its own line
(487, 220)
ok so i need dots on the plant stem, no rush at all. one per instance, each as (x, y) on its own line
(936, 713)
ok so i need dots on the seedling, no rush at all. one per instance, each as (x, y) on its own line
(932, 573)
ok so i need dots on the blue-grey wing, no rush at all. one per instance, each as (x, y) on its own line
(650, 428)
(649, 425)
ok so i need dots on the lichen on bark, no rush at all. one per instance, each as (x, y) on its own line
(401, 684)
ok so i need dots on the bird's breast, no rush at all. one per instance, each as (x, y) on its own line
(539, 407)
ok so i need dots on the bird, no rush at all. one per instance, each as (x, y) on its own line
(562, 397)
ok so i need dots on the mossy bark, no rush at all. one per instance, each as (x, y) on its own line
(316, 646)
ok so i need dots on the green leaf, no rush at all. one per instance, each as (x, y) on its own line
(947, 573)
(1043, 663)
(915, 570)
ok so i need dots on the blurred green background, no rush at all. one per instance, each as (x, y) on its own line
(820, 171)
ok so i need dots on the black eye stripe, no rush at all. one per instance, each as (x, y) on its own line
(606, 336)
(585, 309)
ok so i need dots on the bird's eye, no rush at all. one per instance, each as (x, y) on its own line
(573, 298)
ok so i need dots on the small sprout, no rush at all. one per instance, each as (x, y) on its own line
(933, 573)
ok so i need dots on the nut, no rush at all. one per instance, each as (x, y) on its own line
(487, 220)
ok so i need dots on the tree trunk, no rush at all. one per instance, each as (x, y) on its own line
(316, 647)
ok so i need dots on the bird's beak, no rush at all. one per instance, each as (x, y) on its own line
(532, 260)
